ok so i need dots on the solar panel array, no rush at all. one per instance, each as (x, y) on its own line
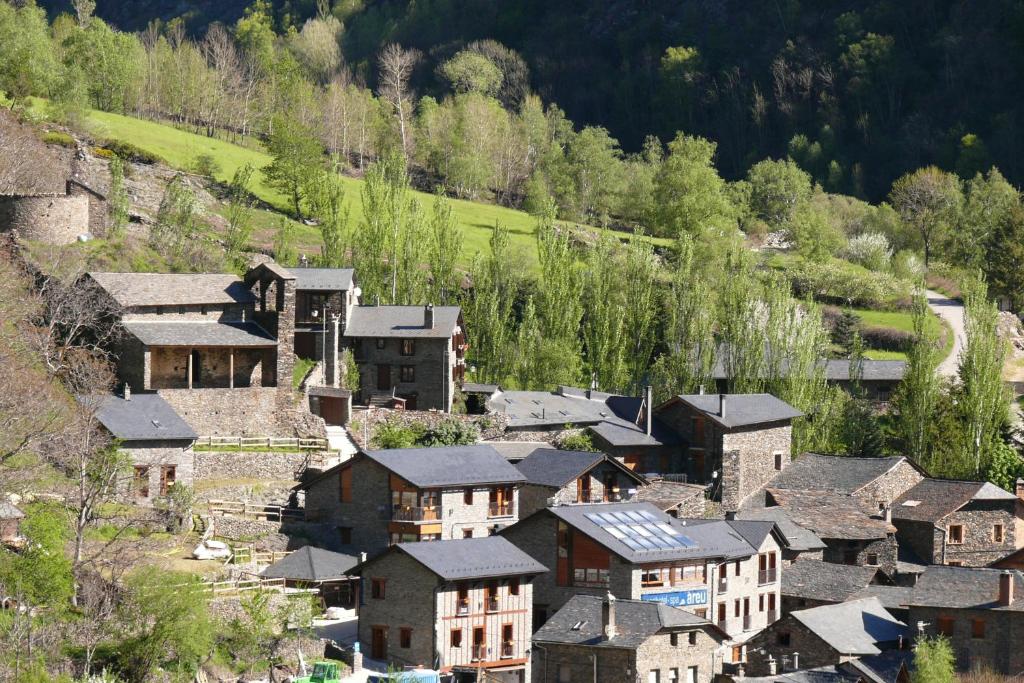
(640, 530)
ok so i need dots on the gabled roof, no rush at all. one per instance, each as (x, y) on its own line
(688, 499)
(406, 322)
(756, 531)
(819, 674)
(838, 370)
(856, 627)
(323, 279)
(448, 465)
(556, 468)
(741, 410)
(932, 499)
(311, 564)
(841, 473)
(881, 668)
(825, 581)
(691, 539)
(471, 558)
(831, 515)
(515, 451)
(145, 417)
(579, 623)
(891, 597)
(965, 588)
(798, 538)
(173, 289)
(200, 333)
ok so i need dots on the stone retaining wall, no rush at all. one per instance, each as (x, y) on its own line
(490, 426)
(264, 535)
(247, 465)
(55, 219)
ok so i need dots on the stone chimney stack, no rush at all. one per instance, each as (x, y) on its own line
(127, 391)
(608, 616)
(648, 409)
(1006, 589)
(773, 666)
(796, 661)
(428, 316)
(721, 406)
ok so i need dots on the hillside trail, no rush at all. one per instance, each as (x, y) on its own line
(952, 312)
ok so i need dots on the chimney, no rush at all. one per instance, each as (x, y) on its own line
(608, 616)
(428, 316)
(127, 391)
(796, 661)
(887, 513)
(701, 390)
(721, 405)
(1006, 589)
(362, 558)
(649, 409)
(1019, 489)
(773, 666)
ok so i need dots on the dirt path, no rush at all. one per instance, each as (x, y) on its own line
(952, 312)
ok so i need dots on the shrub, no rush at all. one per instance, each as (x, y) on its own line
(576, 441)
(206, 165)
(907, 265)
(129, 152)
(55, 137)
(870, 250)
(887, 338)
(394, 434)
(450, 432)
(846, 284)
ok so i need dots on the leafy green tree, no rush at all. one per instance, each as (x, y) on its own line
(989, 201)
(284, 242)
(933, 661)
(117, 199)
(471, 71)
(576, 441)
(604, 317)
(916, 396)
(488, 307)
(110, 61)
(689, 196)
(1005, 466)
(297, 156)
(250, 635)
(815, 235)
(559, 297)
(641, 273)
(594, 164)
(1004, 251)
(844, 333)
(41, 572)
(239, 213)
(443, 252)
(28, 60)
(450, 432)
(928, 201)
(177, 220)
(777, 189)
(327, 205)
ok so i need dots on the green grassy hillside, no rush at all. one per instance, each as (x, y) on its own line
(179, 148)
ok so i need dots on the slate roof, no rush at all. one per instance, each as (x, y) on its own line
(855, 627)
(741, 410)
(881, 668)
(670, 494)
(322, 279)
(146, 417)
(472, 558)
(311, 564)
(200, 333)
(838, 370)
(831, 515)
(555, 468)
(891, 597)
(171, 289)
(517, 450)
(635, 622)
(825, 581)
(401, 321)
(754, 531)
(448, 465)
(478, 388)
(842, 473)
(932, 499)
(8, 511)
(709, 538)
(797, 537)
(965, 588)
(616, 419)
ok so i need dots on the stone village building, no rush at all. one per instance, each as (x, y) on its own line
(965, 523)
(556, 477)
(461, 606)
(379, 498)
(724, 571)
(810, 583)
(155, 438)
(604, 639)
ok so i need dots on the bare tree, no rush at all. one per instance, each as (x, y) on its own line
(396, 65)
(26, 165)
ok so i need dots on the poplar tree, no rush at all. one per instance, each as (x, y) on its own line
(445, 247)
(239, 212)
(741, 322)
(604, 317)
(559, 298)
(917, 394)
(640, 281)
(327, 201)
(488, 307)
(118, 199)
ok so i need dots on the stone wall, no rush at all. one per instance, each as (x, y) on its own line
(169, 367)
(999, 650)
(55, 219)
(156, 455)
(250, 411)
(458, 516)
(884, 548)
(891, 485)
(247, 465)
(979, 547)
(408, 602)
(553, 663)
(366, 514)
(771, 642)
(657, 653)
(97, 206)
(432, 363)
(267, 535)
(748, 460)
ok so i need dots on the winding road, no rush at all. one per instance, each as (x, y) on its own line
(952, 312)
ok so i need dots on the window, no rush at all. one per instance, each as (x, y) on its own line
(736, 570)
(159, 310)
(381, 343)
(850, 557)
(651, 576)
(944, 625)
(778, 460)
(997, 533)
(673, 675)
(702, 613)
(590, 577)
(408, 347)
(467, 496)
(977, 628)
(955, 563)
(467, 533)
(345, 535)
(203, 310)
(760, 603)
(405, 638)
(513, 586)
(955, 535)
(736, 607)
(783, 639)
(507, 644)
(456, 637)
(345, 478)
(737, 653)
(654, 676)
(691, 674)
(691, 637)
(872, 560)
(408, 373)
(462, 599)
(491, 603)
(673, 639)
(721, 612)
(564, 673)
(167, 475)
(142, 481)
(377, 589)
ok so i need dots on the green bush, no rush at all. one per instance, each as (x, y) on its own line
(394, 434)
(839, 282)
(450, 432)
(129, 152)
(579, 441)
(55, 137)
(206, 165)
(887, 338)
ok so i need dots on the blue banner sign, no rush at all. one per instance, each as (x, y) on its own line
(679, 598)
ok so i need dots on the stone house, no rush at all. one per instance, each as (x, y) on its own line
(603, 639)
(677, 498)
(724, 571)
(801, 543)
(737, 442)
(811, 583)
(379, 498)
(826, 636)
(621, 426)
(158, 441)
(55, 217)
(853, 532)
(329, 573)
(555, 477)
(319, 294)
(980, 611)
(965, 523)
(460, 606)
(10, 522)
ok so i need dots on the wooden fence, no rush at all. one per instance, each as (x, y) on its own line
(238, 508)
(235, 586)
(243, 442)
(248, 554)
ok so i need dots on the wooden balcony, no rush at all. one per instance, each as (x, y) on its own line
(501, 510)
(406, 513)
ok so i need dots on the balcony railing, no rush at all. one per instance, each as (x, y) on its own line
(479, 653)
(493, 604)
(501, 510)
(773, 616)
(722, 624)
(723, 584)
(767, 576)
(747, 622)
(405, 513)
(508, 649)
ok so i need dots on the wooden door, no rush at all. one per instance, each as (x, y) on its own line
(167, 477)
(583, 489)
(379, 643)
(383, 377)
(479, 643)
(698, 465)
(332, 410)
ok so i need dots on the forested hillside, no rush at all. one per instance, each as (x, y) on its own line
(858, 93)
